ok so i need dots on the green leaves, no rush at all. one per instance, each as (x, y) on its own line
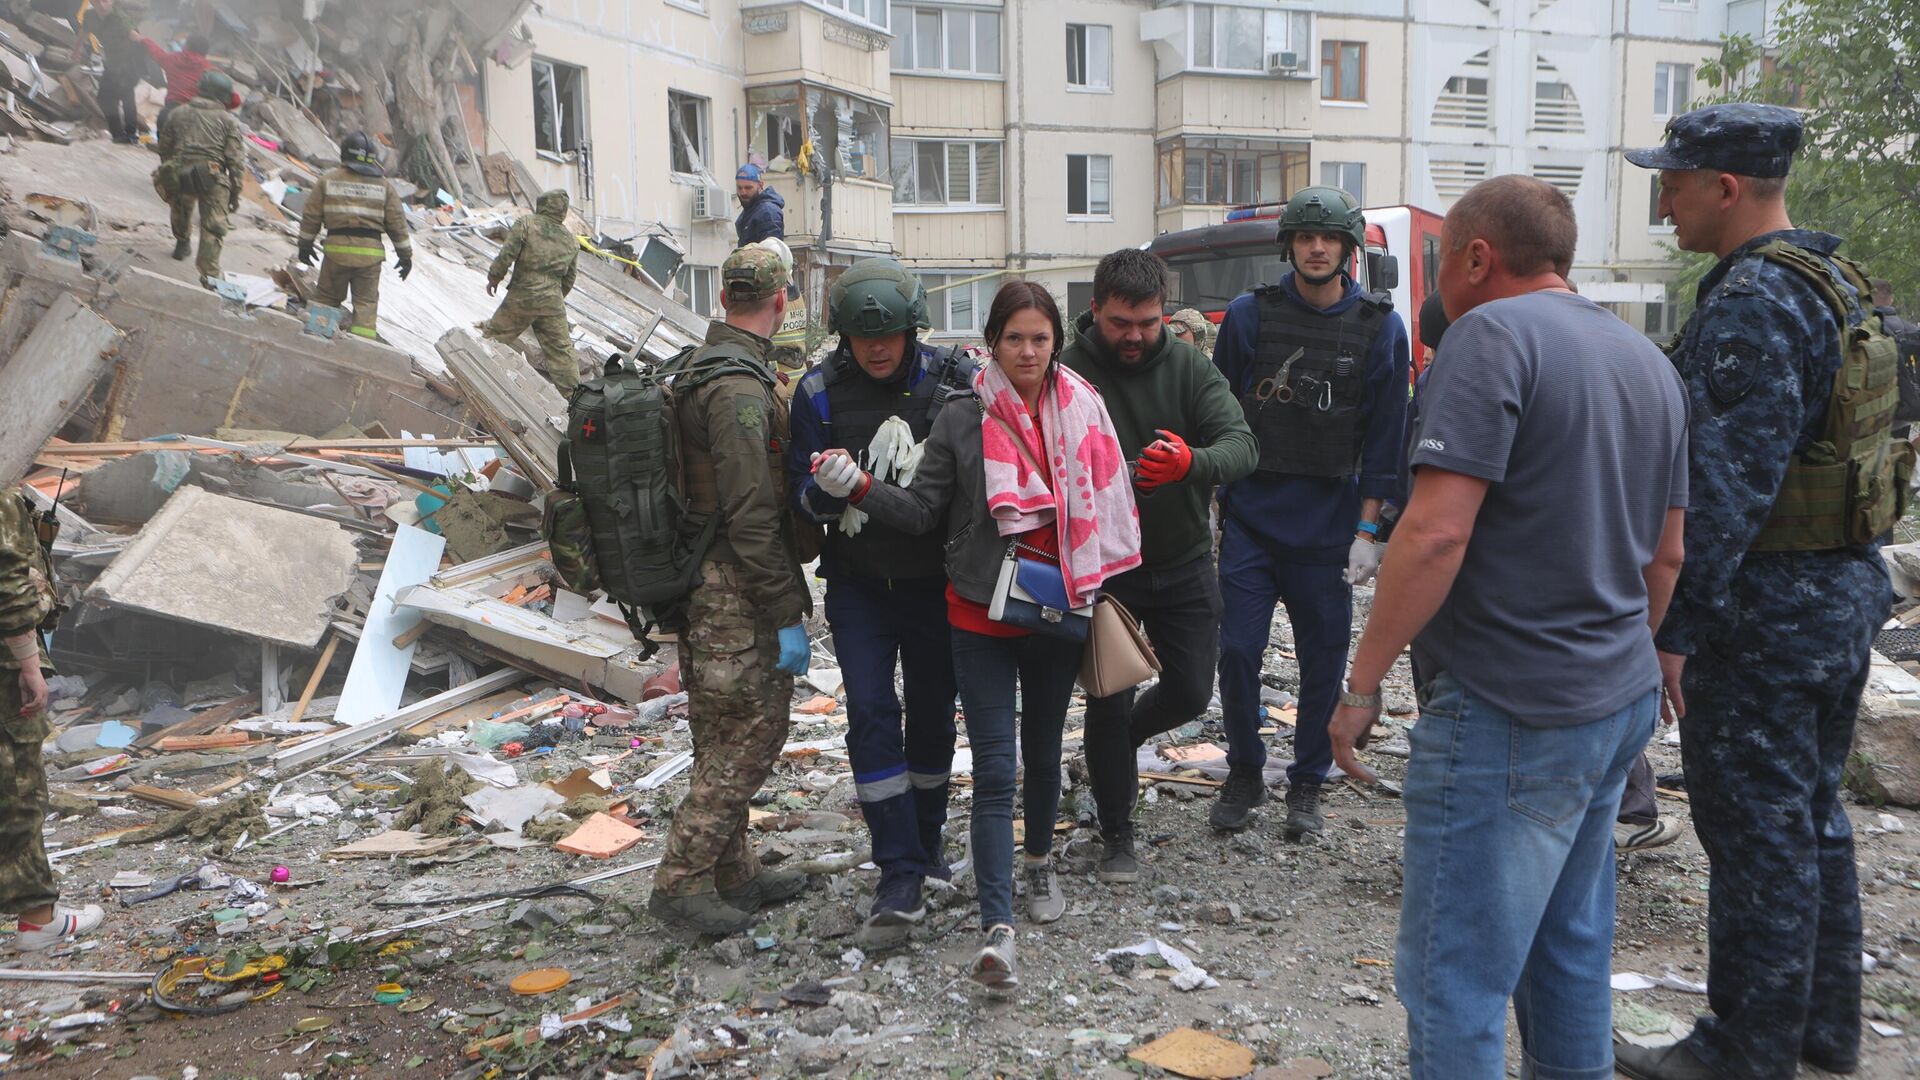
(1858, 173)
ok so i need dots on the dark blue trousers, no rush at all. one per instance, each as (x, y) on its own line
(1253, 578)
(900, 763)
(1770, 716)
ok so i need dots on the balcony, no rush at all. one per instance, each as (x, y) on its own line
(792, 41)
(862, 213)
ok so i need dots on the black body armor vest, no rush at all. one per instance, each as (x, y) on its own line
(1309, 378)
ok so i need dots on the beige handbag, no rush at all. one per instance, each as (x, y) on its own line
(1118, 656)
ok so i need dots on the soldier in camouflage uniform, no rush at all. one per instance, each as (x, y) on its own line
(541, 252)
(201, 163)
(27, 887)
(744, 638)
(1190, 326)
(357, 205)
(1766, 644)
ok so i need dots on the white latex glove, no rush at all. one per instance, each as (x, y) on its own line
(836, 474)
(905, 477)
(1363, 561)
(888, 452)
(852, 520)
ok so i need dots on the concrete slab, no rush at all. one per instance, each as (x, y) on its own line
(236, 566)
(47, 378)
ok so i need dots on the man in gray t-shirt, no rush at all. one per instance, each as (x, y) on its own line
(1536, 554)
(1578, 423)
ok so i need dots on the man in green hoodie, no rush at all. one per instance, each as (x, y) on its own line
(541, 251)
(1183, 431)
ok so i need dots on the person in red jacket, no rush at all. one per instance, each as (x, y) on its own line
(183, 69)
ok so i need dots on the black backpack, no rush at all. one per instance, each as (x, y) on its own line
(617, 522)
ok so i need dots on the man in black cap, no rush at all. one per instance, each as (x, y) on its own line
(1764, 649)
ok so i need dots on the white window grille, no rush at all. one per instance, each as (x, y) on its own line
(1463, 101)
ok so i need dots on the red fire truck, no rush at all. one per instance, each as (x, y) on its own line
(1214, 264)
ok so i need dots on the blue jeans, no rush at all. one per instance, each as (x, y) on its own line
(1253, 578)
(987, 669)
(1509, 886)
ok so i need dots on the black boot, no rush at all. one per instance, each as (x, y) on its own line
(1672, 1062)
(1118, 866)
(1303, 810)
(182, 249)
(1233, 809)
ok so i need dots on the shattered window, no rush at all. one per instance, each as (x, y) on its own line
(687, 126)
(849, 135)
(851, 132)
(559, 106)
(773, 115)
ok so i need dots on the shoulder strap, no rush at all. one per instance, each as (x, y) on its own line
(1824, 277)
(709, 362)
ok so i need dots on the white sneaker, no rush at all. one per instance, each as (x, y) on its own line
(67, 922)
(1657, 833)
(993, 964)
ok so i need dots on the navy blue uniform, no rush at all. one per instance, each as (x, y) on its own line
(1285, 539)
(1778, 646)
(886, 598)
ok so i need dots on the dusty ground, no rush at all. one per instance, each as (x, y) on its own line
(1314, 933)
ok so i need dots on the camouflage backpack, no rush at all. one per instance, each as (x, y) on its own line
(616, 523)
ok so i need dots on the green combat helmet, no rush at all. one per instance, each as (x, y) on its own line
(876, 298)
(1323, 209)
(216, 85)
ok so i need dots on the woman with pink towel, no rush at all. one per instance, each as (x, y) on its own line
(1032, 473)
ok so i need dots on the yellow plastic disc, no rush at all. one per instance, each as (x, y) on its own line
(541, 981)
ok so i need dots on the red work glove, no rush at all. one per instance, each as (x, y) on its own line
(1165, 461)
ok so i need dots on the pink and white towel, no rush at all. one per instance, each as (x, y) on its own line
(1090, 501)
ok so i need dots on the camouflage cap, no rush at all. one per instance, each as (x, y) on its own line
(1195, 323)
(752, 273)
(1743, 139)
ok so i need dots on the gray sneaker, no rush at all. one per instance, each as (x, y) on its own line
(993, 964)
(1045, 902)
(1118, 866)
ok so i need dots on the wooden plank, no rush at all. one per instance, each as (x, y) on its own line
(313, 680)
(225, 713)
(515, 401)
(222, 741)
(48, 376)
(176, 800)
(425, 709)
(461, 716)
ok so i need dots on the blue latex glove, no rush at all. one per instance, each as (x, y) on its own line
(795, 649)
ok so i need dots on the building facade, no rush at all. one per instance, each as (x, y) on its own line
(979, 138)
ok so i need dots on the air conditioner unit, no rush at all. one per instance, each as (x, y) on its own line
(710, 203)
(1283, 63)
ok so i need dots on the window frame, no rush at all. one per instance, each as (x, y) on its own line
(908, 17)
(1656, 226)
(1667, 77)
(940, 304)
(1220, 164)
(561, 148)
(703, 143)
(1298, 26)
(1333, 69)
(844, 9)
(685, 280)
(1088, 212)
(1340, 167)
(910, 159)
(1087, 55)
